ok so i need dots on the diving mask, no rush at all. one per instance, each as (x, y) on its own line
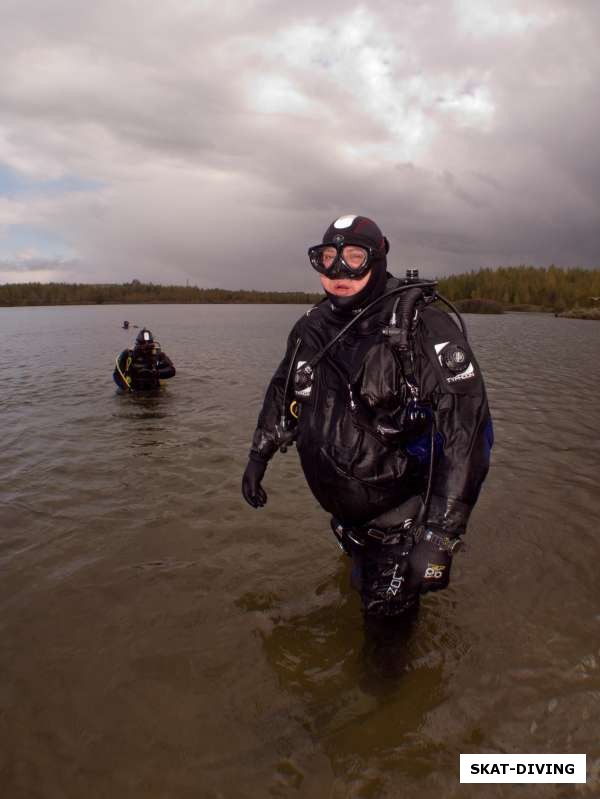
(340, 259)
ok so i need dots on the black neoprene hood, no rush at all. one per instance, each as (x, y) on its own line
(351, 229)
(144, 337)
(360, 230)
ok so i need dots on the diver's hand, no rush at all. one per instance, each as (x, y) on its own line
(252, 490)
(429, 567)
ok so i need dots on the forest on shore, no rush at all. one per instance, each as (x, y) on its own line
(522, 288)
(505, 288)
(135, 293)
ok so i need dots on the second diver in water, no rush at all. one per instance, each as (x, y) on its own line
(385, 401)
(143, 367)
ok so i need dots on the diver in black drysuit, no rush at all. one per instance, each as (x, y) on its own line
(391, 422)
(143, 367)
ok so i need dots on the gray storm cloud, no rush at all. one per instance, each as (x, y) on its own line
(216, 141)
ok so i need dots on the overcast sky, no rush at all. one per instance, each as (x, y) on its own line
(213, 142)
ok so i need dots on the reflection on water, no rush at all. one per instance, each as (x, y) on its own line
(366, 692)
(140, 406)
(160, 638)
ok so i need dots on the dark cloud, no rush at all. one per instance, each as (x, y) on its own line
(218, 140)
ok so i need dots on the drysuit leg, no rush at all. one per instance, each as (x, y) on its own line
(380, 571)
(380, 566)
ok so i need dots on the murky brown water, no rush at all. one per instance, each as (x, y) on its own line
(161, 639)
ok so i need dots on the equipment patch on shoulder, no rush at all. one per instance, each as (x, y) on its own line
(468, 373)
(456, 360)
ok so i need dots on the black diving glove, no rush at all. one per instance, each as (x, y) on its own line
(252, 490)
(430, 561)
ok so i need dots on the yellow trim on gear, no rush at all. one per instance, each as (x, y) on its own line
(294, 409)
(126, 380)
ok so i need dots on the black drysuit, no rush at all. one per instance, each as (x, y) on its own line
(362, 452)
(143, 369)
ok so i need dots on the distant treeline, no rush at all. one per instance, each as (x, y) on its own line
(521, 287)
(513, 287)
(136, 292)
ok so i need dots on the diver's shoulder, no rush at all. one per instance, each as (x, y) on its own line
(433, 315)
(438, 322)
(312, 316)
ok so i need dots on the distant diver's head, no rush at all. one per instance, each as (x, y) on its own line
(351, 261)
(144, 346)
(144, 338)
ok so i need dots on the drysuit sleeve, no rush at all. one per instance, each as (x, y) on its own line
(265, 440)
(165, 367)
(452, 381)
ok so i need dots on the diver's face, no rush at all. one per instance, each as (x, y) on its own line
(344, 286)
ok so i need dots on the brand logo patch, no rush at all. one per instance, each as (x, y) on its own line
(395, 582)
(434, 571)
(303, 380)
(453, 358)
(466, 375)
